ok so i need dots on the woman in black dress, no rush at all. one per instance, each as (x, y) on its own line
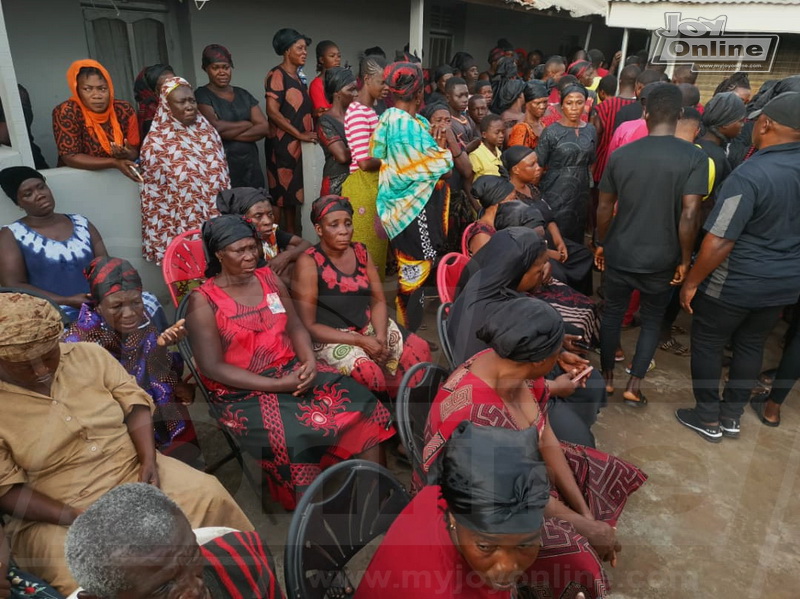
(340, 90)
(567, 148)
(291, 122)
(235, 114)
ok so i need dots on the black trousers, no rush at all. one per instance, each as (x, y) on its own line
(789, 367)
(714, 324)
(572, 418)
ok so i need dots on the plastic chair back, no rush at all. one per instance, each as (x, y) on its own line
(184, 264)
(447, 275)
(465, 239)
(441, 328)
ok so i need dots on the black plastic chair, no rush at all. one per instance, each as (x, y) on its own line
(344, 509)
(413, 406)
(441, 328)
(64, 318)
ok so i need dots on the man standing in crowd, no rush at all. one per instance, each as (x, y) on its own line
(747, 270)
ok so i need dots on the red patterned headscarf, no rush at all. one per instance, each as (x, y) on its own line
(404, 79)
(578, 68)
(328, 204)
(216, 53)
(109, 275)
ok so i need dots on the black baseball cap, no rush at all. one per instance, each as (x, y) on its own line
(783, 108)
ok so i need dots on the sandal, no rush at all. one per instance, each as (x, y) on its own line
(632, 399)
(758, 408)
(674, 346)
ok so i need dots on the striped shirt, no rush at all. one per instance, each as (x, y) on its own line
(359, 124)
(607, 112)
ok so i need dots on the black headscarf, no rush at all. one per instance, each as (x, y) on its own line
(773, 88)
(523, 329)
(462, 61)
(514, 155)
(219, 233)
(108, 275)
(534, 90)
(336, 79)
(489, 279)
(431, 109)
(491, 189)
(150, 77)
(216, 53)
(506, 92)
(441, 71)
(507, 68)
(517, 214)
(240, 199)
(285, 38)
(14, 176)
(494, 480)
(573, 89)
(327, 204)
(723, 109)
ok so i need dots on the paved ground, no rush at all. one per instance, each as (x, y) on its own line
(712, 520)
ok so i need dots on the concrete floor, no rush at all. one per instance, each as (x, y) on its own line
(712, 521)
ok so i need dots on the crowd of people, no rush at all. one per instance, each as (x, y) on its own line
(546, 173)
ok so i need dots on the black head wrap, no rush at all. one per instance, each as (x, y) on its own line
(216, 53)
(14, 176)
(285, 38)
(491, 189)
(152, 73)
(524, 329)
(109, 275)
(404, 79)
(327, 204)
(240, 199)
(430, 109)
(506, 92)
(480, 84)
(573, 89)
(514, 155)
(336, 79)
(490, 278)
(441, 71)
(219, 233)
(534, 90)
(505, 45)
(494, 480)
(507, 68)
(495, 54)
(517, 214)
(723, 109)
(773, 88)
(463, 62)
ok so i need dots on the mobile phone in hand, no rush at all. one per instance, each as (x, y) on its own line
(583, 374)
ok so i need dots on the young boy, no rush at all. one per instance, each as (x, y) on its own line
(486, 157)
(477, 108)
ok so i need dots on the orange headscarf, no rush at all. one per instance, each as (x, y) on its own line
(95, 120)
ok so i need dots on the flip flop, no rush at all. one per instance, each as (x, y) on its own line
(674, 346)
(637, 401)
(758, 408)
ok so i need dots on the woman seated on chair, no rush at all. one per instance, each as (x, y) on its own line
(281, 249)
(115, 319)
(504, 384)
(476, 532)
(256, 358)
(339, 298)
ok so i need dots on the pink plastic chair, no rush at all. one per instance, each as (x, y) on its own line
(184, 264)
(448, 274)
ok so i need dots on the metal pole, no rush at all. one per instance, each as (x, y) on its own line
(624, 56)
(588, 37)
(416, 28)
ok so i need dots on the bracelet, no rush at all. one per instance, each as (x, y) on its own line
(459, 155)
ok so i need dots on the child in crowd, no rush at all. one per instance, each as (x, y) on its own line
(486, 158)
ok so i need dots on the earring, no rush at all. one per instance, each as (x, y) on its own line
(452, 527)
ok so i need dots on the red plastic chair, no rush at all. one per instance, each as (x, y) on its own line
(447, 275)
(184, 264)
(464, 238)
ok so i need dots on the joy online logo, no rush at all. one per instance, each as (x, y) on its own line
(705, 43)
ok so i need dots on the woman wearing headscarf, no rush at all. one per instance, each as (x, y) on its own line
(340, 300)
(490, 191)
(328, 57)
(183, 167)
(413, 199)
(146, 90)
(115, 318)
(528, 131)
(567, 149)
(494, 58)
(340, 90)
(295, 416)
(464, 66)
(504, 385)
(361, 186)
(722, 120)
(475, 532)
(441, 75)
(279, 248)
(508, 95)
(289, 109)
(93, 131)
(236, 116)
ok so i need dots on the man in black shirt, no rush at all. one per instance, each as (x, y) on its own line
(634, 111)
(748, 268)
(657, 183)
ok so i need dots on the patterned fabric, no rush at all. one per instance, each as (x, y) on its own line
(343, 299)
(73, 137)
(331, 130)
(108, 275)
(477, 228)
(362, 189)
(184, 169)
(578, 311)
(522, 134)
(607, 111)
(412, 165)
(239, 565)
(284, 163)
(26, 586)
(553, 113)
(605, 481)
(293, 438)
(359, 124)
(155, 369)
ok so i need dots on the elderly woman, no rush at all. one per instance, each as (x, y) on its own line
(146, 89)
(504, 384)
(339, 298)
(476, 532)
(235, 114)
(289, 109)
(341, 90)
(93, 131)
(115, 319)
(256, 358)
(184, 168)
(95, 431)
(328, 57)
(567, 149)
(413, 197)
(527, 132)
(280, 249)
(133, 542)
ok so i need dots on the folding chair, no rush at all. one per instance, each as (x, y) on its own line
(448, 273)
(184, 264)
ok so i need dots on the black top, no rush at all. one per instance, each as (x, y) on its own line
(343, 300)
(243, 161)
(722, 167)
(331, 130)
(629, 112)
(757, 208)
(650, 176)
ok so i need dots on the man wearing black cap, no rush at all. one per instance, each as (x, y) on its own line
(748, 268)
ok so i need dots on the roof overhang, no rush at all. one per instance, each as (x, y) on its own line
(573, 8)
